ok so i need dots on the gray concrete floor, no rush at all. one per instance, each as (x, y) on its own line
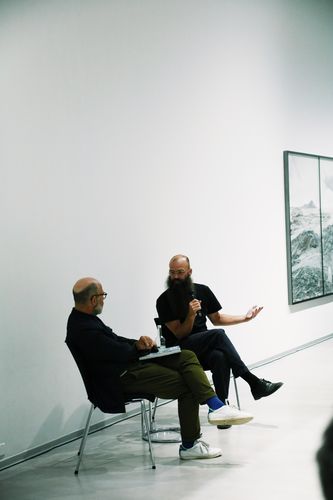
(270, 458)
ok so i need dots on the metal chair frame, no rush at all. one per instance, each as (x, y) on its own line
(161, 434)
(236, 392)
(145, 425)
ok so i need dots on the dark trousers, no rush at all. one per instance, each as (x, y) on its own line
(216, 353)
(179, 376)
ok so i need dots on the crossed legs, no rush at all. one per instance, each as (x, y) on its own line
(179, 376)
(217, 353)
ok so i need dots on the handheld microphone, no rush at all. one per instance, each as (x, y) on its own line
(199, 313)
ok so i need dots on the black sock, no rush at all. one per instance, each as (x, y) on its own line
(187, 444)
(251, 379)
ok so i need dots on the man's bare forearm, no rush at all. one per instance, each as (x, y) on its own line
(182, 330)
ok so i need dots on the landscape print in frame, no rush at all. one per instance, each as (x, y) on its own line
(309, 225)
(326, 190)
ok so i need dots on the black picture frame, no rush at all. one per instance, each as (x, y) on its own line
(308, 180)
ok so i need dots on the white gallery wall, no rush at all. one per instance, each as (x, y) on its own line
(133, 130)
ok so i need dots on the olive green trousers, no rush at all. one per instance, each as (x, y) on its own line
(178, 376)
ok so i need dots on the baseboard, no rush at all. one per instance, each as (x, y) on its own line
(283, 354)
(51, 445)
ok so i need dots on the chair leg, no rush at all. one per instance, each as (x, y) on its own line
(236, 392)
(159, 434)
(84, 439)
(152, 417)
(145, 423)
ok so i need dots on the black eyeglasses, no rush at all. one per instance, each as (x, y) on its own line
(104, 295)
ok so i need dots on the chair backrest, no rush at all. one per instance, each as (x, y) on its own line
(84, 372)
(101, 397)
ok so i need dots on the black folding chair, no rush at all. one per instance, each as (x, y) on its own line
(130, 398)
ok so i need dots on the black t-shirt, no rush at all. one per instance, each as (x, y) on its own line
(168, 311)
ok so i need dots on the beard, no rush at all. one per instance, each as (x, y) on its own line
(186, 284)
(180, 293)
(98, 310)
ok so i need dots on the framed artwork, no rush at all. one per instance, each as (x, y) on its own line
(309, 225)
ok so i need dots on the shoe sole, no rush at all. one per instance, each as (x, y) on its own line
(266, 395)
(234, 421)
(204, 457)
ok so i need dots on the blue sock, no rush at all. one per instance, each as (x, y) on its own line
(214, 403)
(187, 444)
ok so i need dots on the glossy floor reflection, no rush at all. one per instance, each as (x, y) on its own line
(270, 458)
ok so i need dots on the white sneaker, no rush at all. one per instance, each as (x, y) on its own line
(228, 415)
(200, 449)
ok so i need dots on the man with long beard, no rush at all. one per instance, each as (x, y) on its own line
(183, 310)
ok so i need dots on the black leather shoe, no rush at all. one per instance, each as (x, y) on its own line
(223, 426)
(265, 388)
